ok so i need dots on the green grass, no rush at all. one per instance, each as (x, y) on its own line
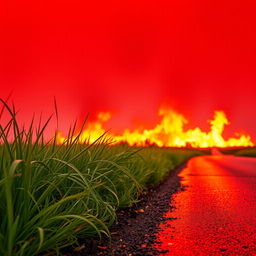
(251, 152)
(51, 194)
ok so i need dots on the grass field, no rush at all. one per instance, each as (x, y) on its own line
(51, 194)
(246, 152)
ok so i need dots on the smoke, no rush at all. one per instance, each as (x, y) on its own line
(130, 58)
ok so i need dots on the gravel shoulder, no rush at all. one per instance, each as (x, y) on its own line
(135, 230)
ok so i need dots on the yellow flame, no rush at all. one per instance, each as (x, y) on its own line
(168, 133)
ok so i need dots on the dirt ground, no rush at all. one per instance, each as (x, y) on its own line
(135, 231)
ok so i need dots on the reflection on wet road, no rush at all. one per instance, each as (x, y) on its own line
(216, 214)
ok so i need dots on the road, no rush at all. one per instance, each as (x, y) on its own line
(216, 213)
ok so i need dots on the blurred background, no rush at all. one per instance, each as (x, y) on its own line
(129, 58)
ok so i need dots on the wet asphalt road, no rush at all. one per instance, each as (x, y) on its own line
(216, 214)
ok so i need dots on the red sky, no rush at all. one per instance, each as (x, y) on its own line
(129, 57)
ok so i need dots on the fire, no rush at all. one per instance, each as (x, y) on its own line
(169, 132)
(92, 132)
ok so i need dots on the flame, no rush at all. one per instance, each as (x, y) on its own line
(92, 132)
(169, 132)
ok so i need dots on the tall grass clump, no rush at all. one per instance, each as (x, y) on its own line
(52, 194)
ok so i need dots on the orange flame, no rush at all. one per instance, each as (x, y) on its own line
(168, 133)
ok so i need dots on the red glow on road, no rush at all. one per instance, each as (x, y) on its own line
(215, 215)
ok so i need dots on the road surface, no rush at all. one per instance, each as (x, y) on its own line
(216, 214)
